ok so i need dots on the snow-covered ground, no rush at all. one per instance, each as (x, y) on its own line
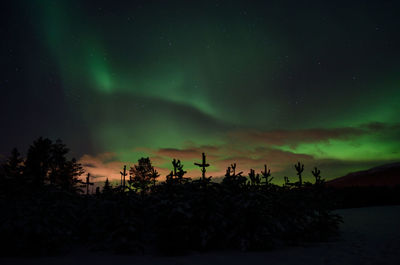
(369, 236)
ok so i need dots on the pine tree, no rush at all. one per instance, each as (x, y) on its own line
(317, 175)
(11, 177)
(266, 174)
(232, 178)
(203, 165)
(69, 179)
(177, 173)
(47, 163)
(107, 188)
(254, 178)
(143, 175)
(58, 162)
(299, 168)
(38, 161)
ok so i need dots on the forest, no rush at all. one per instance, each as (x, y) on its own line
(47, 209)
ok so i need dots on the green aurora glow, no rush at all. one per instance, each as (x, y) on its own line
(145, 77)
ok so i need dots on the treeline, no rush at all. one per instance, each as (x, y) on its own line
(45, 209)
(46, 164)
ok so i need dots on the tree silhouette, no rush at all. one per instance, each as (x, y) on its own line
(68, 176)
(47, 163)
(57, 162)
(203, 166)
(266, 174)
(254, 178)
(123, 176)
(13, 166)
(198, 215)
(38, 161)
(153, 176)
(87, 184)
(176, 175)
(232, 178)
(107, 188)
(142, 175)
(317, 175)
(12, 172)
(299, 168)
(287, 182)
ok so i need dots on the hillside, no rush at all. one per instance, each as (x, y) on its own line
(387, 175)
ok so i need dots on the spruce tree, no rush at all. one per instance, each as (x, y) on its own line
(11, 178)
(107, 188)
(143, 175)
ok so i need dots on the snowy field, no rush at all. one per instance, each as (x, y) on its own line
(369, 236)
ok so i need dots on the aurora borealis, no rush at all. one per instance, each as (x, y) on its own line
(251, 83)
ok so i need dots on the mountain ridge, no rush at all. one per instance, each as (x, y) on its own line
(384, 175)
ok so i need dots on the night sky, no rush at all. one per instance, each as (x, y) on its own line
(250, 83)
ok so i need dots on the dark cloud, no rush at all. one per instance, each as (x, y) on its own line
(295, 137)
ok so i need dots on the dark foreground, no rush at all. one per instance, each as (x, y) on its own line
(369, 236)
